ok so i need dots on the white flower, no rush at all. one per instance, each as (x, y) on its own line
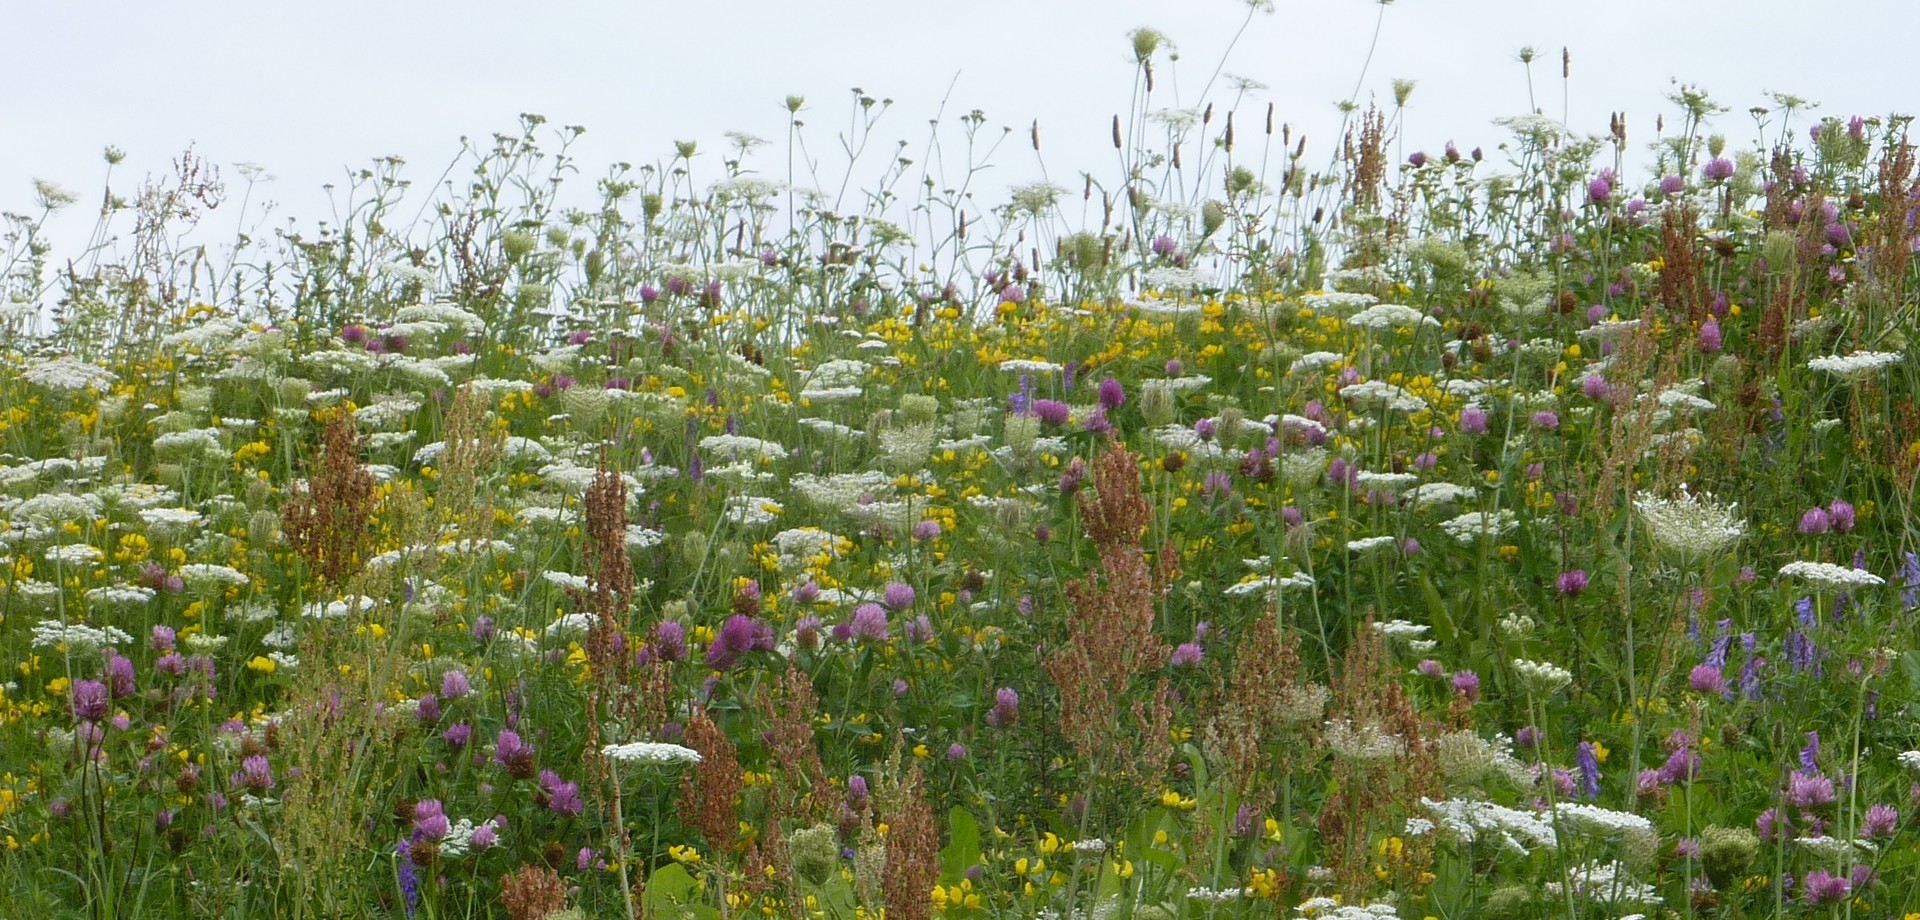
(1542, 676)
(203, 577)
(1910, 760)
(650, 752)
(1390, 316)
(1690, 526)
(1854, 366)
(69, 374)
(1469, 819)
(1315, 360)
(1401, 629)
(75, 636)
(1599, 820)
(1828, 575)
(75, 554)
(1367, 544)
(1474, 524)
(1023, 366)
(1382, 393)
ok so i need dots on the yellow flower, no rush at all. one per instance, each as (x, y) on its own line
(263, 664)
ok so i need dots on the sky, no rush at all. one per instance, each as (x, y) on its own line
(308, 90)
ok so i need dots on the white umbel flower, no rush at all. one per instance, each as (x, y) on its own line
(1854, 366)
(1543, 676)
(1828, 575)
(649, 752)
(1691, 526)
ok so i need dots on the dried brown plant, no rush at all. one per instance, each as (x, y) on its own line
(326, 520)
(912, 854)
(708, 791)
(1112, 643)
(1247, 720)
(473, 450)
(806, 790)
(610, 592)
(533, 892)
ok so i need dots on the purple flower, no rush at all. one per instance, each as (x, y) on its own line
(1186, 655)
(255, 774)
(956, 751)
(897, 596)
(1809, 755)
(485, 836)
(926, 530)
(514, 754)
(1710, 339)
(1820, 887)
(88, 700)
(1473, 420)
(920, 629)
(1718, 169)
(1052, 411)
(1572, 582)
(1589, 762)
(1881, 821)
(1672, 185)
(1546, 419)
(458, 735)
(1841, 513)
(563, 798)
(120, 675)
(1006, 708)
(1112, 394)
(454, 684)
(1430, 668)
(1467, 685)
(1815, 522)
(430, 820)
(427, 710)
(670, 640)
(1809, 791)
(869, 623)
(1417, 159)
(1599, 190)
(1707, 679)
(737, 636)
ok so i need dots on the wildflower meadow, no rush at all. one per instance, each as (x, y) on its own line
(1376, 529)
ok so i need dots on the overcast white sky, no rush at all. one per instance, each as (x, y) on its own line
(309, 89)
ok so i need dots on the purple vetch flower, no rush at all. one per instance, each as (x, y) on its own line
(1809, 755)
(1006, 708)
(1588, 760)
(409, 878)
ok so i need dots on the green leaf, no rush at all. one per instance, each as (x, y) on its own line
(963, 845)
